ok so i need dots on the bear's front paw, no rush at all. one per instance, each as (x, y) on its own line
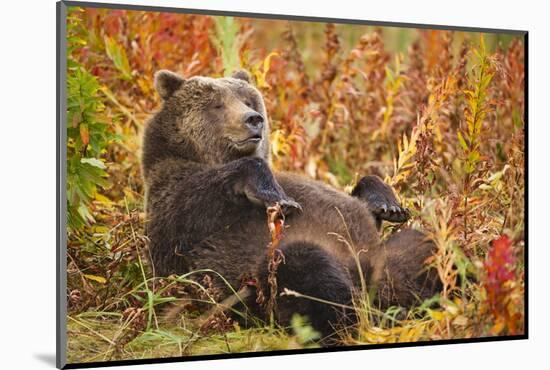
(289, 204)
(271, 196)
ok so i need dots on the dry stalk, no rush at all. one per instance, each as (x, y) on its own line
(219, 309)
(275, 223)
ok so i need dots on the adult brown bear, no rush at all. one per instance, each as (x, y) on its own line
(208, 183)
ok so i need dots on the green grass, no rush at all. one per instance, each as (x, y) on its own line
(93, 339)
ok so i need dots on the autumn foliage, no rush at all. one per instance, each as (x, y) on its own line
(438, 114)
(504, 295)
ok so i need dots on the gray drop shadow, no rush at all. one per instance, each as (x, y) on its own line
(47, 358)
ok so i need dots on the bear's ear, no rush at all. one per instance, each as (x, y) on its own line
(241, 75)
(167, 83)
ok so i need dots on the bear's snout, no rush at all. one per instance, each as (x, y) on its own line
(254, 121)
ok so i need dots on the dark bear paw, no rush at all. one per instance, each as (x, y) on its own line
(289, 204)
(271, 195)
(391, 213)
(260, 186)
(381, 200)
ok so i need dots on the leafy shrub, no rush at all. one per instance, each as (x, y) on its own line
(87, 136)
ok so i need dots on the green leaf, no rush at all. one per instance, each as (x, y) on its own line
(304, 332)
(117, 54)
(462, 142)
(473, 156)
(84, 212)
(516, 118)
(93, 162)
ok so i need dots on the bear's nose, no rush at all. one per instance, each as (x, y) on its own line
(254, 120)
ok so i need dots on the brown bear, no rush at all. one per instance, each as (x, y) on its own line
(206, 165)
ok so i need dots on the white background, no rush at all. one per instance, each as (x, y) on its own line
(27, 182)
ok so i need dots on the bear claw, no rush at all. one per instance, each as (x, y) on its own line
(381, 200)
(393, 214)
(288, 204)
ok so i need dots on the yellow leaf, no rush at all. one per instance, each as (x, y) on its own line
(99, 229)
(96, 278)
(103, 199)
(482, 43)
(144, 85)
(436, 315)
(261, 75)
(267, 61)
(497, 328)
(279, 145)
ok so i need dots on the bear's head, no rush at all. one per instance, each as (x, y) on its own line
(211, 120)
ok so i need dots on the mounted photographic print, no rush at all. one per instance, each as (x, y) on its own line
(238, 184)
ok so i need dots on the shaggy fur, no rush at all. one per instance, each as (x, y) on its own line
(208, 182)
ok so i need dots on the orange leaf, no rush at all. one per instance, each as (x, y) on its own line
(84, 134)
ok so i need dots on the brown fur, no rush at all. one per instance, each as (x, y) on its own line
(206, 193)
